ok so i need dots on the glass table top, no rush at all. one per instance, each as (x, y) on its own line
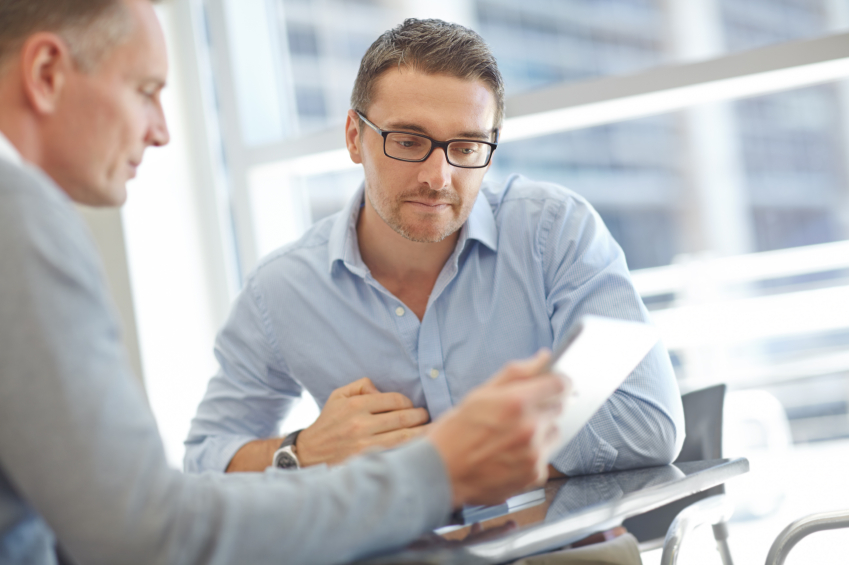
(564, 511)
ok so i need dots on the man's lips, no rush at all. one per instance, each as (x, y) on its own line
(425, 205)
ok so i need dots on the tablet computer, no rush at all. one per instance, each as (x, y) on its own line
(597, 354)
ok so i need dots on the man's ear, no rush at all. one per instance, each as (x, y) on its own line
(352, 137)
(45, 64)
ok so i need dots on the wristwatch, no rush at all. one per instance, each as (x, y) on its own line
(286, 456)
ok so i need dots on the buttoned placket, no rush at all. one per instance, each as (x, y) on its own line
(424, 342)
(431, 358)
(424, 337)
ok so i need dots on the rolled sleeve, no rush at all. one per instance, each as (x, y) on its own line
(213, 452)
(642, 424)
(249, 396)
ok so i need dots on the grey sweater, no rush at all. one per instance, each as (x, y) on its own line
(81, 458)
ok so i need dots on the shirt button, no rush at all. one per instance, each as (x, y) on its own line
(399, 311)
(434, 373)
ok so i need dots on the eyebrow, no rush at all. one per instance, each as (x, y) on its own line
(419, 129)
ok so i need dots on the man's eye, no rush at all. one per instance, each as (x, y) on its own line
(408, 143)
(464, 149)
(151, 93)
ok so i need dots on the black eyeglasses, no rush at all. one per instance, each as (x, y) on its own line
(414, 147)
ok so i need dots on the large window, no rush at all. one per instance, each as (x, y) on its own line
(725, 178)
(781, 154)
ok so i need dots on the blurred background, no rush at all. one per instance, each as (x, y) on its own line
(711, 135)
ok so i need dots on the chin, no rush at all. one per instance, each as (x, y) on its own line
(91, 190)
(108, 197)
(116, 198)
(119, 200)
(425, 235)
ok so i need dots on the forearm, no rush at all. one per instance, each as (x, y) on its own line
(254, 456)
(329, 515)
(644, 419)
(227, 421)
(246, 399)
(135, 510)
(346, 427)
(110, 500)
(644, 434)
(626, 433)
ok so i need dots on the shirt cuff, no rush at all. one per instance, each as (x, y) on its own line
(214, 453)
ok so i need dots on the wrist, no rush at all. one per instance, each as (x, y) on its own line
(312, 448)
(302, 448)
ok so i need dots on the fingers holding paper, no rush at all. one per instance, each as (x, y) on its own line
(498, 441)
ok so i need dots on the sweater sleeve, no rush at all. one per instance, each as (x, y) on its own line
(79, 445)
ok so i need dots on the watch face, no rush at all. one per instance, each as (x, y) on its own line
(286, 461)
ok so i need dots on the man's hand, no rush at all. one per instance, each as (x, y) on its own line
(358, 417)
(497, 442)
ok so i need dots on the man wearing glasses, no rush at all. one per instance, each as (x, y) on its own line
(392, 310)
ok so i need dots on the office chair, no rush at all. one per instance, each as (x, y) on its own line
(667, 525)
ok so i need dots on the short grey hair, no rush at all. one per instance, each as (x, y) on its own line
(431, 47)
(91, 28)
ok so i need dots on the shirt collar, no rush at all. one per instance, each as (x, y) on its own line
(343, 245)
(8, 151)
(481, 223)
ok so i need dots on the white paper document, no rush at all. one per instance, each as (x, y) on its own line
(597, 355)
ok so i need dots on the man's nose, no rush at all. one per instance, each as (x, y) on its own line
(436, 170)
(158, 134)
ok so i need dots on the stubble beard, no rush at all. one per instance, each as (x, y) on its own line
(390, 212)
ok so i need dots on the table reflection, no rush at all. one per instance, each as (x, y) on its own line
(563, 498)
(579, 493)
(571, 509)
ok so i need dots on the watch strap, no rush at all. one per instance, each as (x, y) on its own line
(290, 439)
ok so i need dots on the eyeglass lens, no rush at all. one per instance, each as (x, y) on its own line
(409, 147)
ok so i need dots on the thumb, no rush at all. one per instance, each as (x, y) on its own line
(356, 388)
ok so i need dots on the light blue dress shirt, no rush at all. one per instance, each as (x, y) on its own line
(530, 261)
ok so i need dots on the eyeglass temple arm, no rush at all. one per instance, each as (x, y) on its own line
(369, 124)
